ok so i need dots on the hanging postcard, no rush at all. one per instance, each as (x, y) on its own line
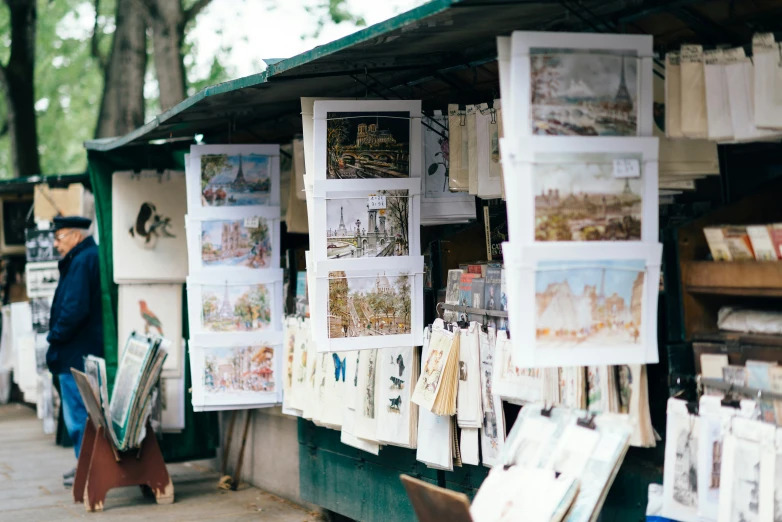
(148, 223)
(149, 310)
(224, 177)
(367, 139)
(581, 84)
(591, 307)
(359, 307)
(248, 240)
(582, 189)
(241, 376)
(366, 221)
(397, 416)
(244, 308)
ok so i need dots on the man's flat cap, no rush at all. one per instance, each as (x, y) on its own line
(61, 222)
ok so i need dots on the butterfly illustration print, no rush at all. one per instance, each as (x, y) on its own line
(339, 366)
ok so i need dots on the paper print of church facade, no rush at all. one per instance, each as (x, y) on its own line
(583, 93)
(230, 243)
(578, 198)
(236, 308)
(235, 180)
(368, 145)
(362, 306)
(356, 228)
(234, 370)
(587, 303)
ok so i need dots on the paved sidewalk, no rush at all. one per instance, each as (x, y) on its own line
(31, 490)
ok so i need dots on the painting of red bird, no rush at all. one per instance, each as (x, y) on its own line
(150, 319)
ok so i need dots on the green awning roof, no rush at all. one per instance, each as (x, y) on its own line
(443, 51)
(26, 184)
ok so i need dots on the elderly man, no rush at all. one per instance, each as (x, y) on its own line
(75, 325)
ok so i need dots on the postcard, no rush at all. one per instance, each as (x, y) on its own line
(592, 307)
(225, 177)
(367, 139)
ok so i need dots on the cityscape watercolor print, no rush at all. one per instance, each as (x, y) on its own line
(368, 306)
(583, 93)
(354, 229)
(230, 243)
(235, 308)
(239, 369)
(231, 180)
(588, 302)
(368, 145)
(578, 198)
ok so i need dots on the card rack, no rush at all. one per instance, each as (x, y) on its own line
(471, 310)
(101, 468)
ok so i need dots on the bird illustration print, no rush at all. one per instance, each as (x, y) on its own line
(150, 226)
(150, 319)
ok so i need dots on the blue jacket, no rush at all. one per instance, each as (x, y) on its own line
(76, 322)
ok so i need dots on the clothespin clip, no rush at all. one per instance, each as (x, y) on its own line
(439, 310)
(546, 412)
(507, 332)
(692, 408)
(729, 400)
(484, 328)
(587, 422)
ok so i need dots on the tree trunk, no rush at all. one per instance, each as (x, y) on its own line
(122, 106)
(167, 19)
(18, 81)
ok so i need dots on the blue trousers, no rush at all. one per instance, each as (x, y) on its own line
(73, 410)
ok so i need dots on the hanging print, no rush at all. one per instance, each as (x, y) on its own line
(148, 223)
(367, 139)
(236, 306)
(573, 84)
(368, 145)
(222, 179)
(248, 240)
(153, 310)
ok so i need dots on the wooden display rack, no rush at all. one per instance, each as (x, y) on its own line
(101, 468)
(709, 285)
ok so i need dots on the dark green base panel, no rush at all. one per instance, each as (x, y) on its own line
(367, 488)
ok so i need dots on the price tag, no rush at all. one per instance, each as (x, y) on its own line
(377, 202)
(251, 222)
(627, 168)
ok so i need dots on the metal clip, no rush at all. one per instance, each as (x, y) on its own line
(587, 422)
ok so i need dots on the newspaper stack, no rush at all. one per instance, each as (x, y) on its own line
(124, 417)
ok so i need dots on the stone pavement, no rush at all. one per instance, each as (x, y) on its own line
(31, 490)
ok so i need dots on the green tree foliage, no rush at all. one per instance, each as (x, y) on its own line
(69, 73)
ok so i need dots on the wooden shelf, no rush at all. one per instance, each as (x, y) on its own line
(741, 278)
